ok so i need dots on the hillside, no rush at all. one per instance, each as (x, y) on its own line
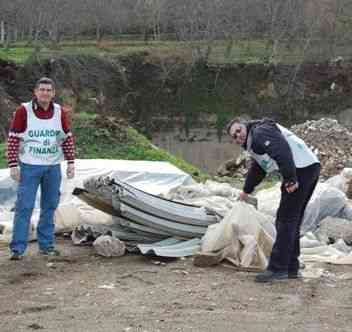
(153, 92)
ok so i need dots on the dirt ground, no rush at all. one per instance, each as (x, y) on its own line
(83, 292)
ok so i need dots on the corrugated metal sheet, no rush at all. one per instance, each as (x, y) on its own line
(174, 211)
(138, 228)
(147, 217)
(172, 247)
(173, 228)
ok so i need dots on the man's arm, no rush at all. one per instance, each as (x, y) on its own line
(68, 146)
(254, 176)
(18, 125)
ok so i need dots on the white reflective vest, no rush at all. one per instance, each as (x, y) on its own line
(303, 156)
(40, 144)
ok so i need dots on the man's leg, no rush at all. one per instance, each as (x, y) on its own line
(310, 176)
(50, 196)
(26, 193)
(287, 220)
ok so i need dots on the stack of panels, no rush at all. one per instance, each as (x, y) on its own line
(149, 216)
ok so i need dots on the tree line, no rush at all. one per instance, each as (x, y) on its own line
(274, 20)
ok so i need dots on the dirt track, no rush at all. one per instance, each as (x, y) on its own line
(83, 292)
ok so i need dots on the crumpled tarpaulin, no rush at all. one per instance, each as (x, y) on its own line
(244, 237)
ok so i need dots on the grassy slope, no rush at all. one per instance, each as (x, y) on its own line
(221, 51)
(2, 156)
(98, 138)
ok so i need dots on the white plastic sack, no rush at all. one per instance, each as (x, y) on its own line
(66, 218)
(220, 205)
(341, 180)
(244, 236)
(325, 201)
(207, 189)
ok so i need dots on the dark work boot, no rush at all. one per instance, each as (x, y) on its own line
(268, 275)
(15, 256)
(295, 275)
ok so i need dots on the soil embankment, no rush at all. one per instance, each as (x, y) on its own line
(155, 93)
(158, 95)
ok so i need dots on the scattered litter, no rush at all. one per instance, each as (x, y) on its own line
(345, 276)
(35, 326)
(312, 273)
(108, 246)
(109, 286)
(158, 263)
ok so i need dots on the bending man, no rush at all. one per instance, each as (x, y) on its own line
(273, 147)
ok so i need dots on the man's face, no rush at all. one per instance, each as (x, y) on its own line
(45, 94)
(238, 132)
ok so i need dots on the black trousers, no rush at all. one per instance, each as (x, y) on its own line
(286, 249)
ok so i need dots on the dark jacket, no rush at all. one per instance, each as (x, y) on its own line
(267, 138)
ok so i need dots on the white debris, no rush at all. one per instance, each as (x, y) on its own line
(108, 246)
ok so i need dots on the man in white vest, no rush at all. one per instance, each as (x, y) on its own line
(273, 147)
(39, 138)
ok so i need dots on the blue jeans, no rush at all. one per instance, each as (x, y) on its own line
(49, 180)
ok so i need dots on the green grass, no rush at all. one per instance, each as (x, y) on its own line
(221, 51)
(3, 163)
(16, 54)
(20, 54)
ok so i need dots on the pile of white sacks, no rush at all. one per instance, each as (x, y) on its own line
(245, 235)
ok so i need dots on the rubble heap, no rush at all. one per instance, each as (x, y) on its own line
(330, 141)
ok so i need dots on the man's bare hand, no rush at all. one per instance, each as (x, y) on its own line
(70, 171)
(243, 196)
(15, 174)
(291, 187)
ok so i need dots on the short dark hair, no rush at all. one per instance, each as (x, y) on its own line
(45, 80)
(229, 125)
